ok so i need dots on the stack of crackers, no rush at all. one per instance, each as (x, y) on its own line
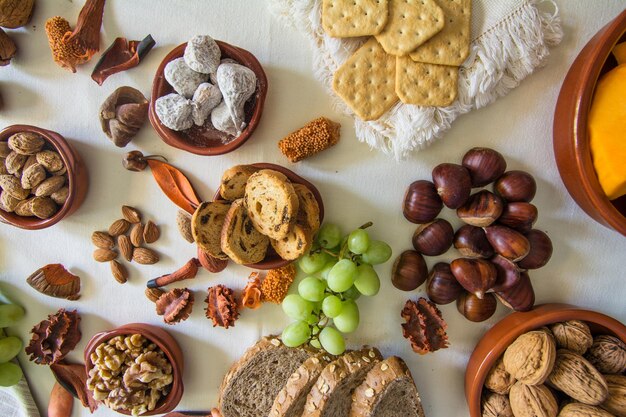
(414, 54)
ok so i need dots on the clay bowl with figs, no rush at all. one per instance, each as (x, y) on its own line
(77, 178)
(571, 138)
(206, 140)
(272, 260)
(165, 342)
(493, 344)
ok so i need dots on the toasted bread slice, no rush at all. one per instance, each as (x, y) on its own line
(206, 226)
(234, 179)
(239, 239)
(297, 243)
(388, 391)
(272, 203)
(309, 209)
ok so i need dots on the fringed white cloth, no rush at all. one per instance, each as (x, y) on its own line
(510, 38)
(17, 401)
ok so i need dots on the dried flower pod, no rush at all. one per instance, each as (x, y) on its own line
(134, 161)
(7, 49)
(498, 379)
(530, 358)
(15, 13)
(616, 401)
(54, 337)
(187, 271)
(175, 305)
(607, 354)
(532, 400)
(122, 55)
(573, 335)
(122, 114)
(54, 280)
(576, 377)
(276, 284)
(222, 306)
(424, 327)
(251, 297)
(74, 376)
(237, 84)
(496, 405)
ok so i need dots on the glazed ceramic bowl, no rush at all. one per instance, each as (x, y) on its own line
(571, 138)
(206, 140)
(499, 337)
(77, 178)
(272, 260)
(165, 342)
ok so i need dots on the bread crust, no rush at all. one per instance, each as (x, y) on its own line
(297, 243)
(239, 239)
(206, 227)
(309, 209)
(234, 179)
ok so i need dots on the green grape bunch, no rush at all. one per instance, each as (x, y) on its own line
(339, 270)
(10, 346)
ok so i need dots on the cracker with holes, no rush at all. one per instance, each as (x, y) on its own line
(350, 18)
(410, 24)
(425, 84)
(451, 45)
(366, 81)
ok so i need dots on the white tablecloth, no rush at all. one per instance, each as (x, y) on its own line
(357, 185)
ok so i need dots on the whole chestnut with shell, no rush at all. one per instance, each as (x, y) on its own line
(516, 186)
(477, 276)
(507, 242)
(422, 203)
(540, 250)
(409, 271)
(453, 184)
(471, 242)
(441, 285)
(519, 215)
(476, 309)
(433, 238)
(485, 165)
(481, 209)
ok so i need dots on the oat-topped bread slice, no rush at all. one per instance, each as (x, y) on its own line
(272, 203)
(297, 243)
(252, 383)
(240, 240)
(388, 391)
(291, 398)
(234, 179)
(308, 209)
(206, 226)
(331, 395)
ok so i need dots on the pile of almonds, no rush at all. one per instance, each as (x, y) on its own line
(498, 243)
(33, 176)
(561, 370)
(129, 235)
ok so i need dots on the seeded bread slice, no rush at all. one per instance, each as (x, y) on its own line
(331, 395)
(249, 388)
(291, 398)
(206, 226)
(308, 209)
(234, 179)
(240, 240)
(272, 203)
(388, 391)
(295, 244)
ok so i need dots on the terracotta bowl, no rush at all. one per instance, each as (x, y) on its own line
(165, 342)
(272, 260)
(206, 140)
(571, 138)
(499, 337)
(77, 178)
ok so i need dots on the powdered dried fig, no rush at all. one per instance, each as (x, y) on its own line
(183, 79)
(530, 357)
(572, 335)
(576, 377)
(174, 111)
(205, 99)
(222, 120)
(498, 379)
(607, 354)
(122, 114)
(616, 401)
(496, 405)
(202, 54)
(532, 401)
(237, 84)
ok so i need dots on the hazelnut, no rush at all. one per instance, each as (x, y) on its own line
(472, 242)
(476, 309)
(519, 215)
(441, 286)
(540, 250)
(134, 161)
(516, 186)
(475, 275)
(422, 204)
(519, 297)
(453, 184)
(409, 271)
(482, 209)
(484, 165)
(507, 242)
(433, 238)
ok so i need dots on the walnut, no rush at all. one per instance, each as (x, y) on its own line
(573, 335)
(616, 401)
(607, 354)
(15, 13)
(530, 357)
(54, 337)
(424, 327)
(175, 305)
(222, 307)
(576, 377)
(496, 405)
(532, 401)
(7, 49)
(583, 410)
(498, 379)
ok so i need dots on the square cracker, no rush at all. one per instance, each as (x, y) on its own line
(451, 45)
(349, 18)
(410, 24)
(425, 84)
(366, 81)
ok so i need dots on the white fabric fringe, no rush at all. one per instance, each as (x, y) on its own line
(500, 58)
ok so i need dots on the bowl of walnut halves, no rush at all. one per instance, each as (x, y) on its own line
(556, 359)
(207, 96)
(136, 369)
(42, 177)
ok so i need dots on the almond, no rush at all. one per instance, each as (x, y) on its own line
(104, 255)
(102, 240)
(153, 294)
(183, 222)
(13, 186)
(136, 235)
(131, 214)
(50, 160)
(119, 271)
(43, 207)
(14, 162)
(126, 247)
(49, 186)
(151, 232)
(145, 256)
(119, 227)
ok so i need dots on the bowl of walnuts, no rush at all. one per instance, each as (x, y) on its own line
(556, 359)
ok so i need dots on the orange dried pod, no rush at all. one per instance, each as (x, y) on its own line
(222, 306)
(54, 337)
(175, 305)
(252, 292)
(424, 327)
(277, 282)
(56, 281)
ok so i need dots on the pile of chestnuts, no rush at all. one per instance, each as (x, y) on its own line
(497, 243)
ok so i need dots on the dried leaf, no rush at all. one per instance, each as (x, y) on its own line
(175, 185)
(73, 377)
(121, 56)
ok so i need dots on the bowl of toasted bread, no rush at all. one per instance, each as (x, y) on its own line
(263, 216)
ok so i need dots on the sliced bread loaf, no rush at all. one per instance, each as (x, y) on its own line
(291, 398)
(272, 203)
(206, 226)
(234, 179)
(388, 391)
(308, 209)
(331, 395)
(249, 388)
(297, 243)
(239, 239)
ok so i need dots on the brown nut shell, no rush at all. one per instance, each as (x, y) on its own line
(471, 242)
(530, 358)
(421, 204)
(507, 242)
(583, 410)
(476, 309)
(576, 377)
(572, 335)
(616, 401)
(516, 186)
(409, 271)
(607, 354)
(520, 297)
(508, 274)
(481, 209)
(434, 238)
(519, 215)
(496, 405)
(532, 401)
(15, 13)
(540, 250)
(475, 275)
(498, 379)
(485, 165)
(453, 184)
(441, 286)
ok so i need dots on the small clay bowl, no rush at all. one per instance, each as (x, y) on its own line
(165, 342)
(206, 140)
(571, 137)
(77, 178)
(272, 260)
(493, 344)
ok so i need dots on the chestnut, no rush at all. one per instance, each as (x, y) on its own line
(476, 309)
(475, 275)
(516, 186)
(519, 215)
(484, 165)
(540, 250)
(507, 242)
(453, 184)
(433, 238)
(472, 242)
(508, 274)
(422, 204)
(520, 297)
(409, 271)
(482, 209)
(441, 286)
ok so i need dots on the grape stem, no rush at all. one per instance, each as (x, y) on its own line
(366, 225)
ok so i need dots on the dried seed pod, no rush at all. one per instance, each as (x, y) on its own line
(441, 286)
(540, 250)
(175, 305)
(54, 280)
(425, 328)
(125, 246)
(222, 307)
(476, 309)
(119, 271)
(472, 242)
(608, 354)
(145, 256)
(183, 222)
(131, 214)
(119, 227)
(134, 161)
(136, 235)
(498, 379)
(251, 297)
(481, 209)
(475, 275)
(104, 255)
(573, 335)
(434, 238)
(576, 377)
(102, 240)
(54, 337)
(122, 114)
(151, 232)
(507, 242)
(484, 165)
(74, 375)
